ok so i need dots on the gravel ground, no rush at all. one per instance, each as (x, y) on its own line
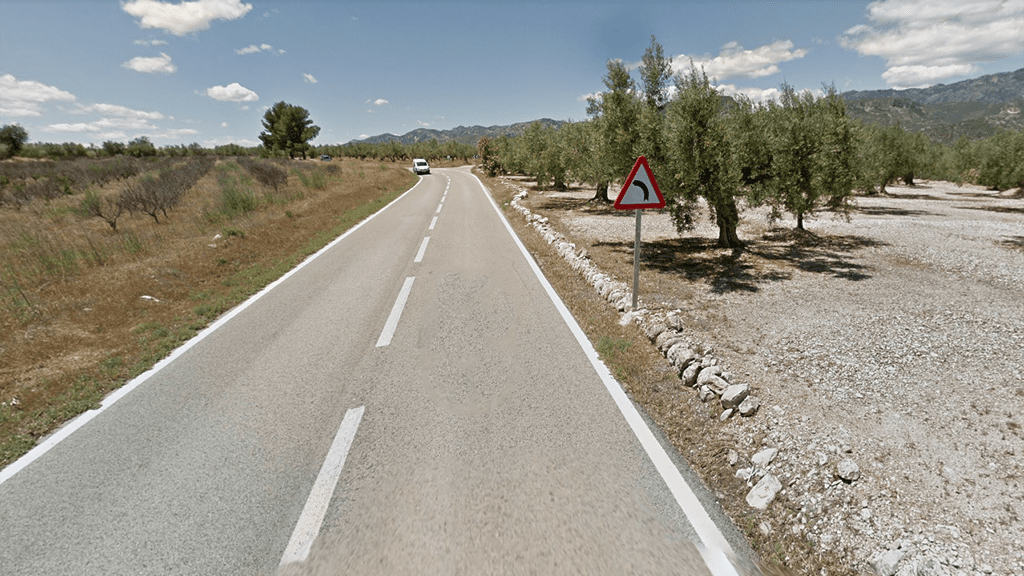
(895, 338)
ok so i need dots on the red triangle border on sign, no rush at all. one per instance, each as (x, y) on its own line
(641, 161)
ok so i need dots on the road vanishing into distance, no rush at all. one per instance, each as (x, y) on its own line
(411, 400)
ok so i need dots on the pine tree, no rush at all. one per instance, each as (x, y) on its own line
(288, 128)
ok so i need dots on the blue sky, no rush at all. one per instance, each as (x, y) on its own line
(205, 71)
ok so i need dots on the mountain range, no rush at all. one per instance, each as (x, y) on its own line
(973, 108)
(461, 134)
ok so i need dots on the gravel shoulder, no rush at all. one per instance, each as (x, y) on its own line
(894, 338)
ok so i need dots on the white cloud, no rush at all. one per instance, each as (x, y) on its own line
(252, 49)
(233, 92)
(25, 97)
(103, 125)
(759, 95)
(926, 41)
(124, 112)
(77, 127)
(734, 61)
(363, 137)
(176, 133)
(223, 124)
(308, 78)
(149, 42)
(161, 63)
(380, 102)
(185, 17)
(422, 123)
(210, 143)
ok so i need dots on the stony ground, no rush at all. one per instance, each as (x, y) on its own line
(894, 339)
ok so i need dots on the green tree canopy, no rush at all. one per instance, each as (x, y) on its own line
(813, 152)
(701, 158)
(616, 115)
(12, 137)
(288, 128)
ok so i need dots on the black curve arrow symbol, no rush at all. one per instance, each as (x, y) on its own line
(643, 187)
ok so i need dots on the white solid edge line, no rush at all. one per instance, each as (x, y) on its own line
(706, 529)
(308, 526)
(116, 395)
(423, 248)
(717, 561)
(396, 313)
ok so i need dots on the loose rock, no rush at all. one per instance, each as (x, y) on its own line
(715, 383)
(705, 394)
(764, 457)
(885, 563)
(749, 406)
(734, 395)
(762, 495)
(654, 330)
(689, 375)
(847, 470)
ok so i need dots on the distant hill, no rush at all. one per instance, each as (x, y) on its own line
(461, 134)
(973, 108)
(989, 89)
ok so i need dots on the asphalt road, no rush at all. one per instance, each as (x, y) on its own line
(465, 430)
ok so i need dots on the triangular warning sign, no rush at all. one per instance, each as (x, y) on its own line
(640, 190)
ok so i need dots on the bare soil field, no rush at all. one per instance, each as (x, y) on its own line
(894, 339)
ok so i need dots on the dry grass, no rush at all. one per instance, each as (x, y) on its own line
(73, 321)
(671, 269)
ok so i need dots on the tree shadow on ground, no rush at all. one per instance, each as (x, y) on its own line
(810, 252)
(901, 196)
(587, 206)
(887, 211)
(770, 258)
(1013, 243)
(1003, 209)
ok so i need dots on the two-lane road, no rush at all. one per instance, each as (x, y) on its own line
(479, 439)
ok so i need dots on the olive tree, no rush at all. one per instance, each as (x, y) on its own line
(615, 115)
(654, 96)
(700, 157)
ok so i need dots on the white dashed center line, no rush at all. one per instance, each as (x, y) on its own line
(423, 248)
(312, 517)
(396, 313)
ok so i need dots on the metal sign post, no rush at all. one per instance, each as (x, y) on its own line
(636, 260)
(636, 195)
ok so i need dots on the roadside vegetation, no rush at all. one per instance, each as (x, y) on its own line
(108, 263)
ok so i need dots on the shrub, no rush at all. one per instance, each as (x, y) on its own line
(266, 173)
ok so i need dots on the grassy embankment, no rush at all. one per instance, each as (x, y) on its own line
(85, 308)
